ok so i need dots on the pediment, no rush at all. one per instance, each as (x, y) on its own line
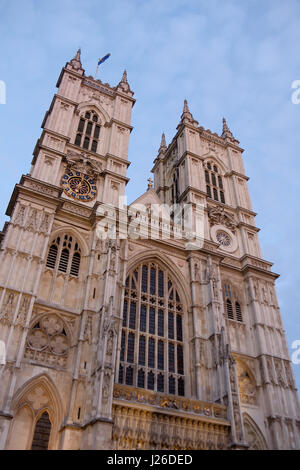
(148, 198)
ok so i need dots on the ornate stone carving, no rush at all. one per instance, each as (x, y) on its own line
(42, 188)
(47, 341)
(83, 163)
(279, 372)
(22, 313)
(289, 374)
(45, 224)
(253, 438)
(270, 370)
(20, 216)
(247, 387)
(156, 399)
(77, 210)
(140, 429)
(32, 220)
(6, 315)
(106, 385)
(218, 216)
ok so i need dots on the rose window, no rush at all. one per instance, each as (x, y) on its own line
(223, 239)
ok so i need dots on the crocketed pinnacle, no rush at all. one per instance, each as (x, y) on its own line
(124, 77)
(76, 61)
(123, 84)
(163, 145)
(226, 131)
(187, 117)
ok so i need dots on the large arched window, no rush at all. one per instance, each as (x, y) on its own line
(152, 335)
(88, 131)
(64, 255)
(214, 182)
(41, 433)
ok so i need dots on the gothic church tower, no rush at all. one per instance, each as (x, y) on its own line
(137, 343)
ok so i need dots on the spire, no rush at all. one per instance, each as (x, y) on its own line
(76, 61)
(226, 133)
(163, 145)
(187, 116)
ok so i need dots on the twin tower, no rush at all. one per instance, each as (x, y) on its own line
(137, 342)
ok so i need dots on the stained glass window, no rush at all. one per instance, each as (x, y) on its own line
(152, 351)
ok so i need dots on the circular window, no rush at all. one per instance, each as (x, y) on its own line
(223, 239)
(226, 240)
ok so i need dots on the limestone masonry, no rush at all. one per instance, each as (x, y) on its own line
(137, 342)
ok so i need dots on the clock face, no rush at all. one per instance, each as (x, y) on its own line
(79, 186)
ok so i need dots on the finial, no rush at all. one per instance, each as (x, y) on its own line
(78, 54)
(150, 183)
(76, 61)
(163, 144)
(124, 77)
(226, 133)
(186, 107)
(187, 116)
(123, 84)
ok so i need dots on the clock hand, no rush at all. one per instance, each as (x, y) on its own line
(79, 185)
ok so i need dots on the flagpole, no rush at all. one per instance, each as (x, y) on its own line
(97, 69)
(100, 61)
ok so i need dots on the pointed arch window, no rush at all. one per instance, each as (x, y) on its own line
(88, 131)
(214, 182)
(232, 305)
(64, 255)
(52, 256)
(42, 432)
(152, 349)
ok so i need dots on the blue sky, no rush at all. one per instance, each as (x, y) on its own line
(229, 58)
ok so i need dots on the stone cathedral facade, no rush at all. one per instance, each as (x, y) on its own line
(137, 343)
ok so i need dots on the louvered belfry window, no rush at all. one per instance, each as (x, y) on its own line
(152, 351)
(232, 306)
(64, 255)
(88, 131)
(214, 182)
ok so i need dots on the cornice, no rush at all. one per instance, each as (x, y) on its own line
(33, 186)
(65, 99)
(236, 173)
(115, 175)
(118, 123)
(118, 159)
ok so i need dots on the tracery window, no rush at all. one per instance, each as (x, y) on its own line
(152, 351)
(41, 433)
(64, 255)
(88, 131)
(214, 182)
(232, 305)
